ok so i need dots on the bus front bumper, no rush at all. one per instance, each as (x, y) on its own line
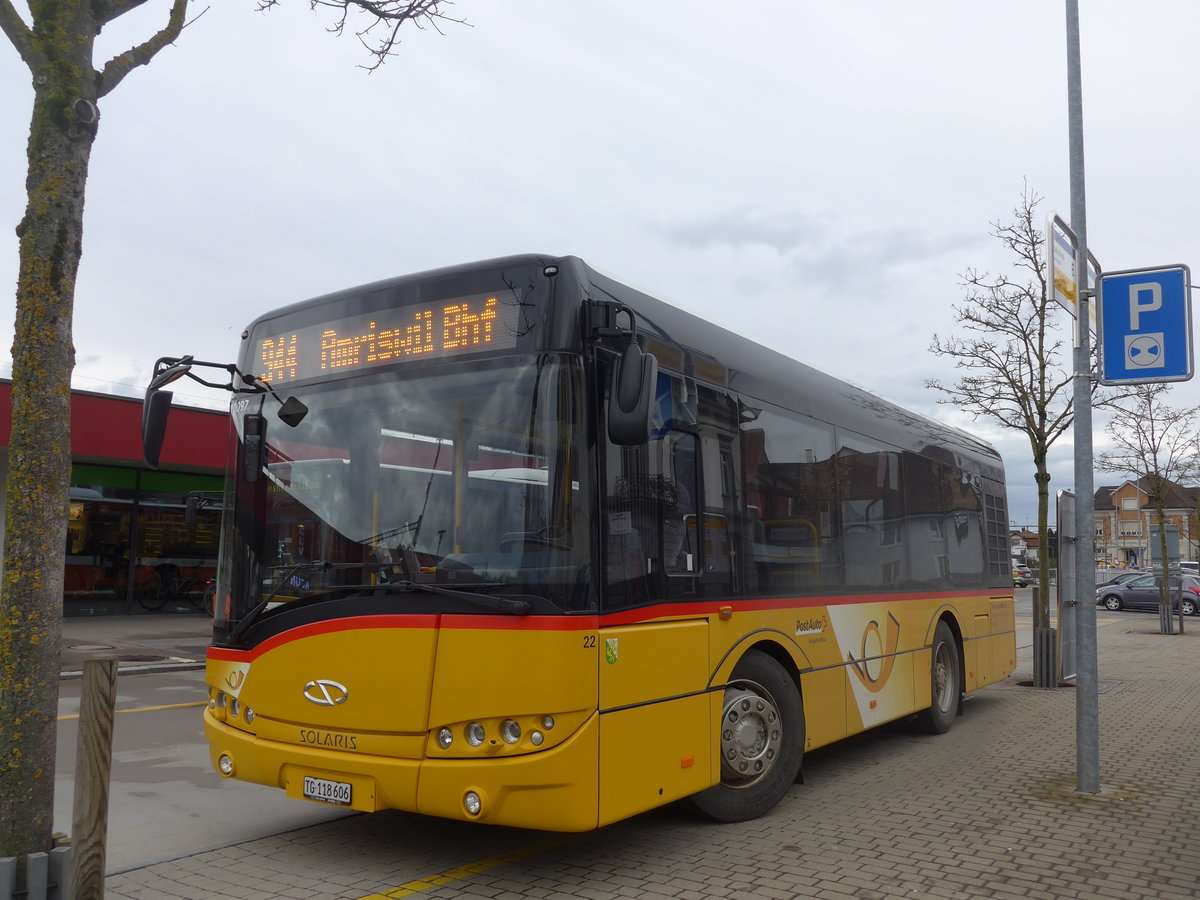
(552, 790)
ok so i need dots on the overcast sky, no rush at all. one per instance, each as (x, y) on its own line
(815, 176)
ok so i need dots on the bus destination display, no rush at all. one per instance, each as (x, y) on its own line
(423, 331)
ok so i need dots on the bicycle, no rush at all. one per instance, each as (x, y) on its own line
(165, 585)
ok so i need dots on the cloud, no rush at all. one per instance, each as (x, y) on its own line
(819, 251)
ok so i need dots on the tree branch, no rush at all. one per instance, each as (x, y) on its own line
(118, 67)
(19, 34)
(1152, 440)
(389, 15)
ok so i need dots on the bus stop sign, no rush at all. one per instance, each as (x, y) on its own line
(1145, 325)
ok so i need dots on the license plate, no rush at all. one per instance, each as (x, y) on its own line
(327, 791)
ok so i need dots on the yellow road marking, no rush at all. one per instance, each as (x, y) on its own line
(458, 874)
(138, 709)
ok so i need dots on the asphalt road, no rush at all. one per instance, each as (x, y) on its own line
(165, 800)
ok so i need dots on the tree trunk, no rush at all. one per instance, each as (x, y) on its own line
(1164, 596)
(50, 235)
(1041, 609)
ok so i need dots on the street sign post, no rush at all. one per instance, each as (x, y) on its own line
(1145, 325)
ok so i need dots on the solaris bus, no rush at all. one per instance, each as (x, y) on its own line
(514, 543)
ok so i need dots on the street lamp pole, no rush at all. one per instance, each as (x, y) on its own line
(1087, 705)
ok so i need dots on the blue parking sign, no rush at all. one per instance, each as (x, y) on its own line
(1145, 333)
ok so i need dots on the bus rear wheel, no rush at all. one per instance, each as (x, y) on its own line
(761, 741)
(946, 683)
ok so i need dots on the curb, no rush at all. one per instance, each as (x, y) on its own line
(168, 665)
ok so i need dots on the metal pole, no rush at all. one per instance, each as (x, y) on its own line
(1087, 718)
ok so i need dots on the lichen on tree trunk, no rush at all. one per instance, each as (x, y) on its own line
(39, 457)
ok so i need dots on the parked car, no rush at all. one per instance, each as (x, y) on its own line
(1021, 575)
(1143, 593)
(1122, 578)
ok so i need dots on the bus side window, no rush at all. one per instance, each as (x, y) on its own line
(681, 550)
(790, 486)
(723, 525)
(652, 536)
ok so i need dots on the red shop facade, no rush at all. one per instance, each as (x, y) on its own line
(130, 545)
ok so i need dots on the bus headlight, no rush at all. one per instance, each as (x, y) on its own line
(472, 803)
(502, 735)
(225, 764)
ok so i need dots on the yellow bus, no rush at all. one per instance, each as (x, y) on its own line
(513, 543)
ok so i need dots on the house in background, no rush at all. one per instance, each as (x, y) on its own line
(1125, 514)
(1023, 547)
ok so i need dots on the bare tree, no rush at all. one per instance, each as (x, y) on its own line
(380, 20)
(1158, 445)
(57, 45)
(1011, 359)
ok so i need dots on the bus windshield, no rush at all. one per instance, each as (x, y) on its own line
(465, 478)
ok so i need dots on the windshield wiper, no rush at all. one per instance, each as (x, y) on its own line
(514, 606)
(247, 620)
(504, 603)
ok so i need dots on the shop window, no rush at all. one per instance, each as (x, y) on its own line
(126, 544)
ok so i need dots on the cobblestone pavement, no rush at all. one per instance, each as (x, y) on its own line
(986, 811)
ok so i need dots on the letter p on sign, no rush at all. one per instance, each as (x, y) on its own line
(1137, 305)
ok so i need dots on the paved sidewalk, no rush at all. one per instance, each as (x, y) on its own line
(986, 811)
(155, 642)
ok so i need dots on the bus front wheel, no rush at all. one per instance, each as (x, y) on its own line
(761, 741)
(946, 683)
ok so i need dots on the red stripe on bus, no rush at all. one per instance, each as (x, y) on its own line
(567, 623)
(328, 626)
(524, 623)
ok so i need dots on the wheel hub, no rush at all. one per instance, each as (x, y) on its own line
(751, 734)
(943, 690)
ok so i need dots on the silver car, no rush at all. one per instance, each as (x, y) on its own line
(1143, 593)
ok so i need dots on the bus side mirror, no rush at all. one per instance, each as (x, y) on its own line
(631, 399)
(155, 409)
(157, 405)
(254, 448)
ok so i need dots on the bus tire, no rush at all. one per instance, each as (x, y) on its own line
(945, 679)
(761, 741)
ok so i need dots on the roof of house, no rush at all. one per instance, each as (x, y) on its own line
(1177, 496)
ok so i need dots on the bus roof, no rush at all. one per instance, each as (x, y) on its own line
(692, 346)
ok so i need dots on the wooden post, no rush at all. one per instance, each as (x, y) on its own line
(93, 763)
